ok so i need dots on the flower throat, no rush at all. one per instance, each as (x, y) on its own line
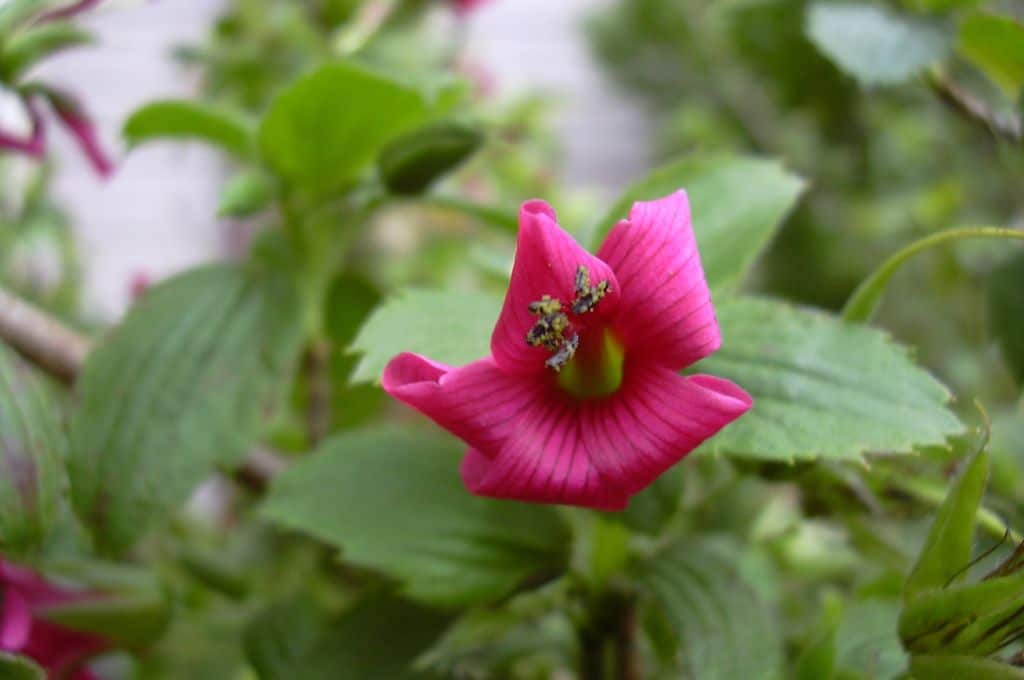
(596, 369)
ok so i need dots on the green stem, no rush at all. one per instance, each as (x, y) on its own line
(864, 302)
(933, 494)
(370, 18)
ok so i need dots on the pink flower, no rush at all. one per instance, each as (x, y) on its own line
(464, 7)
(24, 631)
(70, 10)
(81, 127)
(581, 401)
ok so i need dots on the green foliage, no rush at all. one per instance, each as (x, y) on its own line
(867, 645)
(279, 637)
(247, 193)
(27, 48)
(947, 549)
(864, 301)
(379, 637)
(411, 163)
(822, 387)
(32, 450)
(391, 499)
(736, 204)
(1006, 312)
(409, 322)
(128, 619)
(995, 44)
(17, 12)
(949, 667)
(182, 385)
(875, 45)
(19, 668)
(725, 629)
(177, 119)
(322, 131)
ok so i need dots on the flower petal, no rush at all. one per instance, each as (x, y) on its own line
(478, 403)
(15, 621)
(546, 262)
(656, 418)
(665, 308)
(60, 650)
(34, 145)
(81, 127)
(544, 461)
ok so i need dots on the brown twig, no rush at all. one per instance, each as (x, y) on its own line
(607, 639)
(318, 410)
(975, 110)
(61, 352)
(42, 339)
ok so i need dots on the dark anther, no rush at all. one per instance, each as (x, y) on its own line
(587, 296)
(550, 326)
(564, 354)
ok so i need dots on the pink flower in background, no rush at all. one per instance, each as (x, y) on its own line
(67, 109)
(74, 119)
(581, 401)
(463, 7)
(81, 127)
(24, 631)
(70, 10)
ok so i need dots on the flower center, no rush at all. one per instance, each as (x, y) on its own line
(591, 357)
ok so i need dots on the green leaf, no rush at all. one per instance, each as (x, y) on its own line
(725, 629)
(875, 45)
(818, 660)
(950, 667)
(864, 301)
(489, 635)
(410, 322)
(942, 5)
(378, 638)
(14, 13)
(19, 668)
(392, 500)
(279, 637)
(184, 120)
(957, 617)
(822, 387)
(182, 385)
(130, 620)
(947, 550)
(28, 47)
(411, 163)
(867, 642)
(1006, 312)
(323, 130)
(737, 204)
(995, 45)
(247, 193)
(32, 450)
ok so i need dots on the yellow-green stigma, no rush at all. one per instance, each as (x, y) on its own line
(595, 369)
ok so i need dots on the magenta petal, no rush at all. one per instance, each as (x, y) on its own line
(544, 461)
(15, 621)
(654, 255)
(546, 261)
(656, 418)
(35, 145)
(478, 403)
(59, 649)
(84, 132)
(70, 10)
